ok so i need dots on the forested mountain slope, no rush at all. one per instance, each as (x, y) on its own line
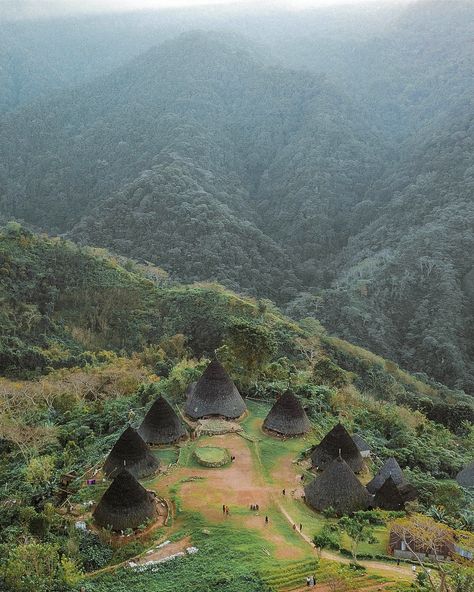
(404, 283)
(171, 168)
(65, 306)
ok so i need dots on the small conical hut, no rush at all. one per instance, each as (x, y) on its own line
(391, 496)
(390, 469)
(465, 478)
(287, 417)
(337, 441)
(161, 425)
(132, 453)
(125, 504)
(339, 488)
(214, 394)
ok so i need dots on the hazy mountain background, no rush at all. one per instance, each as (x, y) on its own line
(323, 159)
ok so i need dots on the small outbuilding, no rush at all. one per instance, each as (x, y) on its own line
(161, 424)
(337, 487)
(337, 442)
(287, 417)
(465, 478)
(390, 468)
(125, 504)
(214, 394)
(132, 453)
(362, 445)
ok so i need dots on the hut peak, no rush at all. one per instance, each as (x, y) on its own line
(132, 453)
(287, 416)
(161, 424)
(339, 488)
(337, 442)
(125, 504)
(214, 394)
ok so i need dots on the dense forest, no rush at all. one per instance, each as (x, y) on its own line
(326, 164)
(88, 337)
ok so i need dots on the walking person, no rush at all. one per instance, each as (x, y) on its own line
(301, 527)
(284, 492)
(266, 519)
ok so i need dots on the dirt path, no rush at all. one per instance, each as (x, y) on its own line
(400, 571)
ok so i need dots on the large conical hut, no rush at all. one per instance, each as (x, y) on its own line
(337, 442)
(389, 468)
(214, 394)
(391, 496)
(465, 478)
(125, 504)
(132, 453)
(287, 417)
(337, 487)
(161, 424)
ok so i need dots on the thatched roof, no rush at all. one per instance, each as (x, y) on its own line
(287, 416)
(161, 424)
(339, 488)
(335, 441)
(360, 443)
(391, 496)
(214, 394)
(132, 453)
(125, 504)
(390, 468)
(465, 478)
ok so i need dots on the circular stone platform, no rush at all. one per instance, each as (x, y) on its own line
(212, 456)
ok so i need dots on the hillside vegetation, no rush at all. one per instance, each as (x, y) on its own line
(89, 341)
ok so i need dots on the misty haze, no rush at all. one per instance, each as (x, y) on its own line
(236, 296)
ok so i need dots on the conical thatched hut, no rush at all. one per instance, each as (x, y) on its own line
(125, 504)
(132, 453)
(339, 488)
(335, 442)
(391, 496)
(362, 445)
(390, 468)
(287, 417)
(214, 394)
(161, 424)
(465, 478)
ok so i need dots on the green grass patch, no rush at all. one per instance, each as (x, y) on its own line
(229, 560)
(211, 456)
(166, 456)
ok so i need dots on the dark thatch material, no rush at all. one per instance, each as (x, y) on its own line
(360, 443)
(465, 478)
(125, 504)
(214, 394)
(130, 452)
(335, 441)
(391, 496)
(339, 488)
(161, 424)
(287, 417)
(390, 468)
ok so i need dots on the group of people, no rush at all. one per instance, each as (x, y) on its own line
(311, 581)
(225, 510)
(301, 527)
(254, 507)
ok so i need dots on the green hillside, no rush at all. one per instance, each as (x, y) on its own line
(89, 341)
